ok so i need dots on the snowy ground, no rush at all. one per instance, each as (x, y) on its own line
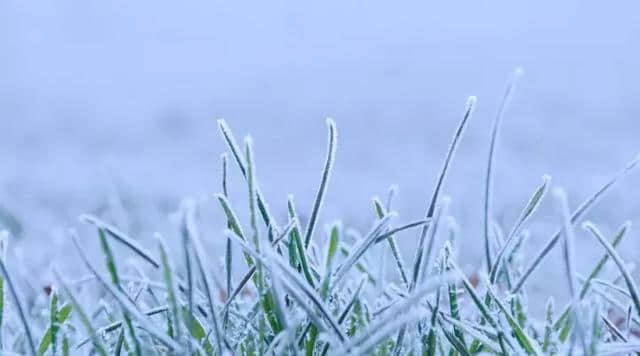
(99, 101)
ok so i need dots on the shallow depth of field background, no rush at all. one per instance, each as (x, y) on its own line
(110, 108)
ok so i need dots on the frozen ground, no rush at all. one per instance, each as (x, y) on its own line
(111, 108)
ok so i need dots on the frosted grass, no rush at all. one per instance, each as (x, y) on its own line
(304, 288)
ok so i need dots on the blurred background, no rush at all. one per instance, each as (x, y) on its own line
(111, 108)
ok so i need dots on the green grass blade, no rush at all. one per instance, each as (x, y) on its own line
(326, 174)
(528, 210)
(167, 274)
(237, 154)
(523, 339)
(57, 318)
(631, 285)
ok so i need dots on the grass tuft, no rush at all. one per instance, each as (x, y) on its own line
(299, 289)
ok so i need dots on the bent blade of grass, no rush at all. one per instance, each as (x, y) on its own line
(526, 213)
(631, 285)
(127, 305)
(121, 237)
(326, 174)
(189, 229)
(237, 154)
(488, 186)
(575, 216)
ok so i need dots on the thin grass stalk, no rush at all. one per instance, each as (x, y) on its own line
(631, 285)
(115, 279)
(488, 186)
(297, 287)
(190, 231)
(228, 251)
(250, 273)
(594, 273)
(470, 106)
(528, 210)
(16, 299)
(381, 212)
(84, 318)
(172, 294)
(326, 174)
(237, 154)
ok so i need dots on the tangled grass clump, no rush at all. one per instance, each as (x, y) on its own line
(298, 296)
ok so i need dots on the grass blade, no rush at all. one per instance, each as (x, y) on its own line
(190, 231)
(167, 273)
(470, 106)
(121, 237)
(236, 151)
(16, 299)
(326, 174)
(381, 212)
(575, 216)
(84, 318)
(529, 209)
(127, 305)
(488, 186)
(631, 285)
